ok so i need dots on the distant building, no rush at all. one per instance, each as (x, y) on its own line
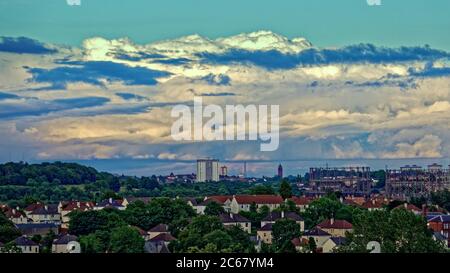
(347, 180)
(26, 245)
(280, 171)
(224, 171)
(415, 181)
(207, 170)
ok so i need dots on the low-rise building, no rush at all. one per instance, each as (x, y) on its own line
(26, 245)
(230, 219)
(61, 244)
(440, 224)
(244, 202)
(15, 215)
(337, 228)
(264, 234)
(318, 235)
(159, 243)
(45, 214)
(157, 230)
(42, 229)
(333, 244)
(302, 203)
(273, 216)
(112, 204)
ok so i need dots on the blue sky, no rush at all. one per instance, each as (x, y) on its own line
(323, 22)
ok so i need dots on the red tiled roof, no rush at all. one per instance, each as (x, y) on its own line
(335, 224)
(219, 198)
(259, 199)
(301, 201)
(409, 207)
(160, 228)
(34, 206)
(13, 213)
(74, 205)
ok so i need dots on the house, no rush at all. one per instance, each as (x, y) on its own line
(42, 229)
(223, 200)
(60, 244)
(157, 230)
(336, 228)
(302, 203)
(45, 214)
(440, 238)
(26, 245)
(65, 208)
(374, 204)
(131, 200)
(273, 216)
(299, 243)
(441, 225)
(264, 234)
(159, 243)
(244, 202)
(230, 219)
(410, 207)
(15, 215)
(333, 244)
(32, 207)
(319, 236)
(112, 204)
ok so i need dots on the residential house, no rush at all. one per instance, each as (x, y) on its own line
(131, 200)
(15, 215)
(159, 243)
(337, 228)
(441, 225)
(319, 236)
(333, 244)
(61, 244)
(157, 230)
(230, 219)
(244, 202)
(32, 207)
(65, 208)
(375, 204)
(264, 234)
(223, 200)
(410, 207)
(112, 204)
(273, 216)
(45, 214)
(42, 229)
(26, 245)
(302, 203)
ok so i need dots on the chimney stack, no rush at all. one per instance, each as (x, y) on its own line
(332, 220)
(282, 214)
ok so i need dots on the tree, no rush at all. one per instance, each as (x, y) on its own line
(283, 231)
(320, 210)
(8, 231)
(97, 242)
(398, 231)
(84, 223)
(312, 246)
(126, 240)
(262, 189)
(285, 189)
(214, 209)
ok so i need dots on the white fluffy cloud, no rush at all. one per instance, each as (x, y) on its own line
(329, 108)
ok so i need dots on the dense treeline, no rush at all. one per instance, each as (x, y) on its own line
(62, 173)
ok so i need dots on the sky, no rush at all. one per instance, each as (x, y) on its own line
(96, 83)
(323, 22)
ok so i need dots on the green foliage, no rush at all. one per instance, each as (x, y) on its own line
(10, 247)
(97, 242)
(379, 175)
(214, 209)
(285, 189)
(320, 210)
(255, 216)
(206, 234)
(126, 240)
(441, 199)
(8, 231)
(283, 231)
(84, 223)
(262, 189)
(398, 231)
